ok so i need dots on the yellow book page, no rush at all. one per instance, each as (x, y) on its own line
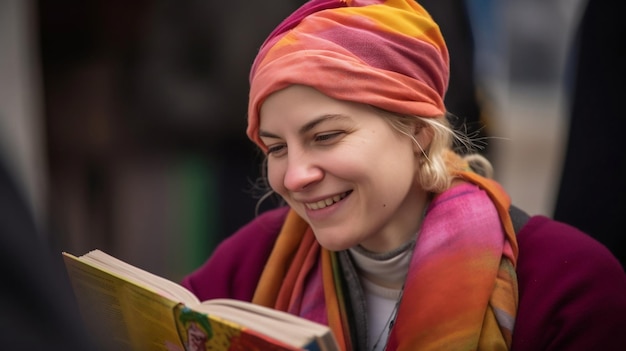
(123, 315)
(159, 284)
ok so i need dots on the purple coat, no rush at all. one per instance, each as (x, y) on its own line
(572, 290)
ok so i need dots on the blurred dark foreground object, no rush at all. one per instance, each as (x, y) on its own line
(38, 310)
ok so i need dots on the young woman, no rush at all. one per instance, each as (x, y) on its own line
(388, 236)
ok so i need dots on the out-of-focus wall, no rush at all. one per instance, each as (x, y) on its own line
(522, 54)
(21, 123)
(145, 110)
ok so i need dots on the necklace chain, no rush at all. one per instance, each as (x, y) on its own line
(390, 320)
(392, 316)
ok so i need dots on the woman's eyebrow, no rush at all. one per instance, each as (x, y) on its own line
(308, 126)
(264, 134)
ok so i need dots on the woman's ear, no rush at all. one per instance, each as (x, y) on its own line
(417, 128)
(423, 136)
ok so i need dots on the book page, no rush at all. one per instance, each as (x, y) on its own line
(121, 314)
(267, 315)
(281, 325)
(158, 283)
(100, 307)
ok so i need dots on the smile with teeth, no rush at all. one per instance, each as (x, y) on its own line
(326, 202)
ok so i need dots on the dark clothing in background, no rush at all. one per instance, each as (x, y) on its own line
(592, 194)
(37, 306)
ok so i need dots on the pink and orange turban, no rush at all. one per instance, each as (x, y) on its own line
(389, 54)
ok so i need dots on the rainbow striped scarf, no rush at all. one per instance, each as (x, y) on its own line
(461, 288)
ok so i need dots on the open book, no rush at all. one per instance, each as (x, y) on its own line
(127, 308)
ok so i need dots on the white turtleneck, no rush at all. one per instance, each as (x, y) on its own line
(382, 277)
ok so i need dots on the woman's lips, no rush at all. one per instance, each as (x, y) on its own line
(318, 205)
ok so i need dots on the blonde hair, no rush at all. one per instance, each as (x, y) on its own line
(434, 173)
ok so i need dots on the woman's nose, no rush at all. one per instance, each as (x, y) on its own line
(302, 171)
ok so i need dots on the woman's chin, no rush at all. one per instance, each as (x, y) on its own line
(335, 245)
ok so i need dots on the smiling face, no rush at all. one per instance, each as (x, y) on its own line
(343, 169)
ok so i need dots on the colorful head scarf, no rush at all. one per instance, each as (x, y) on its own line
(389, 54)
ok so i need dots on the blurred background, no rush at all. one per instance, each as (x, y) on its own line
(123, 122)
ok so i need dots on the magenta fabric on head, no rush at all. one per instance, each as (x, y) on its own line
(292, 21)
(389, 54)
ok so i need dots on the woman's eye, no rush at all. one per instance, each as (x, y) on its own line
(275, 150)
(327, 136)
